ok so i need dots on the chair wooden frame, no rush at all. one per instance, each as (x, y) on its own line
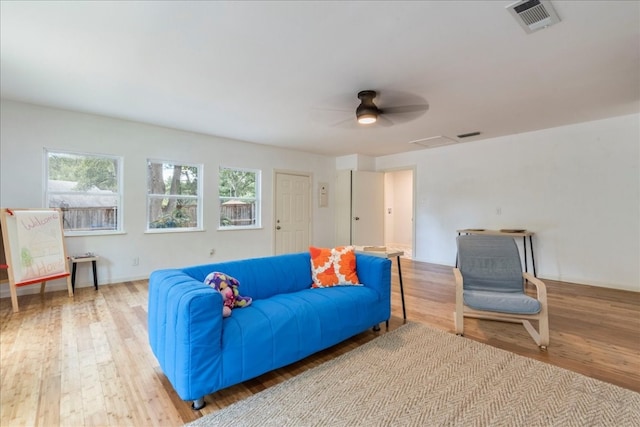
(541, 337)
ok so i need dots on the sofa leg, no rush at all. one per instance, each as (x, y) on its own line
(198, 404)
(376, 328)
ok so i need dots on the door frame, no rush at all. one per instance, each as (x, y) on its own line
(275, 174)
(414, 170)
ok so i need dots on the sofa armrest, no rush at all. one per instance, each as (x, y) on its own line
(185, 331)
(375, 272)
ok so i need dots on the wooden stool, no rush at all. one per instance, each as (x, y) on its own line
(83, 258)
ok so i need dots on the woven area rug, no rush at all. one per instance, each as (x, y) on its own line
(420, 376)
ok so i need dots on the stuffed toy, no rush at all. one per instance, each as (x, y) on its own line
(228, 288)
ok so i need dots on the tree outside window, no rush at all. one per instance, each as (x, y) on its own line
(239, 191)
(174, 196)
(87, 188)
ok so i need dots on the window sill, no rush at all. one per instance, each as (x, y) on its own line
(93, 233)
(173, 230)
(249, 227)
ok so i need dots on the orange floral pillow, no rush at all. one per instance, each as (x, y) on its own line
(333, 267)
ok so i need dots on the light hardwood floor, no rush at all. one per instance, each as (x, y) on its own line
(86, 360)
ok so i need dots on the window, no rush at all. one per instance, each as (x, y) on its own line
(88, 190)
(174, 196)
(239, 192)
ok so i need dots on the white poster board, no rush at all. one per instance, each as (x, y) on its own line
(33, 242)
(38, 248)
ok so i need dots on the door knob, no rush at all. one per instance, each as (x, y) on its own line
(356, 218)
(278, 228)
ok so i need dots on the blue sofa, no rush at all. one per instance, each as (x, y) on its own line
(201, 352)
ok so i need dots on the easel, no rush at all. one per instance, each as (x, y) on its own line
(18, 254)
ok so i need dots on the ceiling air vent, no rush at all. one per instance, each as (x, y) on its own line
(434, 141)
(533, 15)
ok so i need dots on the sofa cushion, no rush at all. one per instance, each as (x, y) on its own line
(285, 328)
(333, 267)
(262, 277)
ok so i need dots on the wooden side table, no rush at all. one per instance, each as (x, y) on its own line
(74, 263)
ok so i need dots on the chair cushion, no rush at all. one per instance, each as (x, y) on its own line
(490, 263)
(502, 302)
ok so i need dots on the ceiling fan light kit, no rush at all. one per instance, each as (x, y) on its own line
(367, 119)
(367, 112)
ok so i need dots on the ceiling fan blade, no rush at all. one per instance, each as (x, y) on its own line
(349, 123)
(405, 109)
(330, 116)
(405, 113)
(342, 110)
(383, 121)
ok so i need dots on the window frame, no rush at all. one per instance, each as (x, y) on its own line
(198, 197)
(257, 200)
(119, 196)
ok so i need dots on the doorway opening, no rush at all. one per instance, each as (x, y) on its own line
(399, 229)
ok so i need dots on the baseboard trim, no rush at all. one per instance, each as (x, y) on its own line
(580, 281)
(59, 285)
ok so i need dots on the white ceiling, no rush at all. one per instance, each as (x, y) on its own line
(287, 73)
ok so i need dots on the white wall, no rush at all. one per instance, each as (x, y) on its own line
(577, 187)
(26, 129)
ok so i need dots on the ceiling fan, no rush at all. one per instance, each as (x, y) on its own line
(368, 112)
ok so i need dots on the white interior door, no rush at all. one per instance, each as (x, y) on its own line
(367, 208)
(293, 212)
(342, 200)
